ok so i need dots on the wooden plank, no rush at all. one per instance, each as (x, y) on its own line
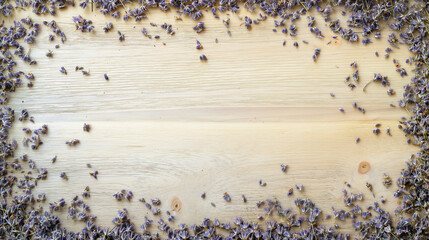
(166, 125)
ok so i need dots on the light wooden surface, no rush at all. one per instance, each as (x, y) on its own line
(166, 125)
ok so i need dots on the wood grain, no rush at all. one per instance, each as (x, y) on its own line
(166, 125)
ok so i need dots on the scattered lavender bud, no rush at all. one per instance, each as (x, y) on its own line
(108, 27)
(121, 36)
(129, 195)
(391, 92)
(63, 70)
(73, 142)
(199, 27)
(49, 54)
(316, 54)
(155, 201)
(226, 197)
(86, 127)
(284, 167)
(387, 181)
(388, 132)
(63, 175)
(94, 174)
(203, 58)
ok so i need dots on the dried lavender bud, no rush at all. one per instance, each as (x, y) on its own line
(156, 211)
(118, 196)
(387, 181)
(388, 132)
(108, 27)
(226, 197)
(63, 176)
(86, 193)
(49, 54)
(82, 24)
(41, 197)
(106, 77)
(366, 41)
(284, 167)
(129, 195)
(380, 79)
(121, 36)
(391, 92)
(199, 27)
(203, 196)
(203, 58)
(73, 142)
(27, 130)
(86, 127)
(63, 70)
(199, 46)
(356, 76)
(94, 174)
(316, 54)
(402, 72)
(155, 201)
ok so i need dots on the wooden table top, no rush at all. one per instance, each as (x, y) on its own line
(169, 126)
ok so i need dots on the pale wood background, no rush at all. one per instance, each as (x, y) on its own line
(168, 126)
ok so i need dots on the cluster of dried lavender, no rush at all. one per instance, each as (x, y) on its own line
(20, 218)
